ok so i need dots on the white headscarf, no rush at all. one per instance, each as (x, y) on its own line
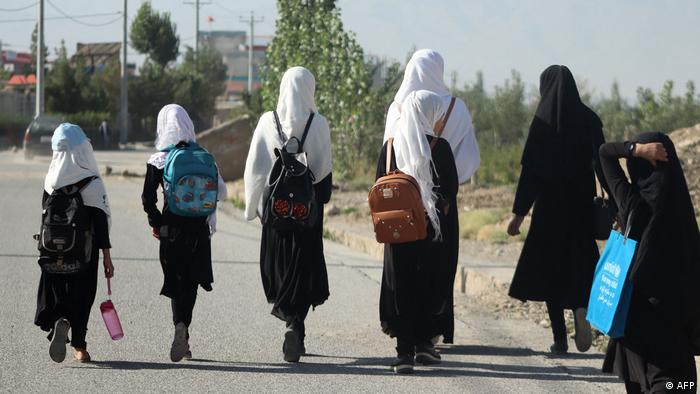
(74, 160)
(419, 113)
(174, 125)
(425, 72)
(295, 104)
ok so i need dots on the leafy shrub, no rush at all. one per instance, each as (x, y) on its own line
(499, 166)
(471, 222)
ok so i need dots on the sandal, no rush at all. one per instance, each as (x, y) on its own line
(81, 355)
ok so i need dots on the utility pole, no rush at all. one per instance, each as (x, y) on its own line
(2, 59)
(124, 99)
(196, 28)
(252, 21)
(40, 62)
(197, 5)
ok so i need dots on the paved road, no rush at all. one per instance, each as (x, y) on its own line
(235, 341)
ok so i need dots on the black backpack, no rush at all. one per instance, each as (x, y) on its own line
(65, 240)
(290, 199)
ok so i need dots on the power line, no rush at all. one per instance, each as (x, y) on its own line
(20, 8)
(226, 9)
(80, 22)
(65, 17)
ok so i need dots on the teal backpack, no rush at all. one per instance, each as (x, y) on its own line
(190, 180)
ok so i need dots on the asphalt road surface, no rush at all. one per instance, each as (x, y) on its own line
(235, 341)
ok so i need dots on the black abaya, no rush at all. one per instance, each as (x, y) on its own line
(71, 295)
(185, 246)
(658, 343)
(557, 177)
(416, 300)
(293, 267)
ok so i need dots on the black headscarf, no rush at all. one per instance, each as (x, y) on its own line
(559, 138)
(667, 262)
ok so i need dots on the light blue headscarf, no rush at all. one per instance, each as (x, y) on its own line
(74, 160)
(67, 136)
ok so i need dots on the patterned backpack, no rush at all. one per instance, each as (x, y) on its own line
(190, 180)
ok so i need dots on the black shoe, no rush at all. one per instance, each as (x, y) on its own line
(179, 346)
(292, 347)
(403, 365)
(583, 336)
(427, 355)
(559, 347)
(57, 349)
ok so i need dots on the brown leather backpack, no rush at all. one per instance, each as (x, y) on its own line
(395, 202)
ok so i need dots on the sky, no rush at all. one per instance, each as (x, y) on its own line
(636, 42)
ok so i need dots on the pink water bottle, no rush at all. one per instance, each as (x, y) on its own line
(109, 315)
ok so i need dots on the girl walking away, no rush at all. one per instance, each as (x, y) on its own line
(412, 285)
(188, 219)
(425, 72)
(74, 195)
(663, 326)
(292, 264)
(559, 256)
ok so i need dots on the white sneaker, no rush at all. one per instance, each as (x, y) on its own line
(57, 349)
(583, 335)
(179, 347)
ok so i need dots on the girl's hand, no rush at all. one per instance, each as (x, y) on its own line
(514, 225)
(652, 152)
(155, 232)
(107, 262)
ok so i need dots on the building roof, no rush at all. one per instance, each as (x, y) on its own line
(19, 80)
(98, 49)
(97, 53)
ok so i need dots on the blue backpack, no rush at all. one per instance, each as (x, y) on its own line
(190, 180)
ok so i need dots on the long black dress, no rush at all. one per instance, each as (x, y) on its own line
(412, 303)
(71, 296)
(658, 344)
(293, 267)
(185, 247)
(557, 177)
(447, 251)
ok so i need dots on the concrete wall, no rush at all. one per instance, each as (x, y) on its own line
(17, 104)
(229, 144)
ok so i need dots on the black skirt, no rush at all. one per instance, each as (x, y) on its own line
(656, 348)
(185, 256)
(71, 295)
(292, 264)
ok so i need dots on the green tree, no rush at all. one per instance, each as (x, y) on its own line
(149, 92)
(153, 34)
(33, 46)
(618, 118)
(62, 85)
(480, 106)
(310, 34)
(200, 80)
(510, 117)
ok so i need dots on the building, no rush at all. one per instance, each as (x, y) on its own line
(96, 56)
(233, 46)
(16, 62)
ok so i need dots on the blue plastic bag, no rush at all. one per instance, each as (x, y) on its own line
(610, 297)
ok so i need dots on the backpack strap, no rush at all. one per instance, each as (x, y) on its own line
(306, 131)
(80, 185)
(443, 123)
(389, 146)
(278, 125)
